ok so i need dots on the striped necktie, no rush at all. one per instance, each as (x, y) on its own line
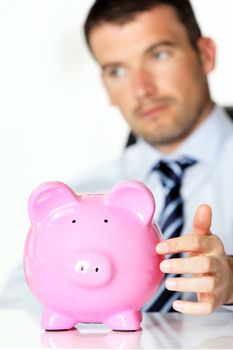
(171, 222)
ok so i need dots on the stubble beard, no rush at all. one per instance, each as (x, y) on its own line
(176, 133)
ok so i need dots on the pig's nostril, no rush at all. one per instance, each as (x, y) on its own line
(97, 269)
(82, 266)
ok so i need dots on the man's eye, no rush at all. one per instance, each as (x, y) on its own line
(161, 55)
(117, 72)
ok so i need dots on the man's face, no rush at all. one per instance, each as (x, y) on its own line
(154, 75)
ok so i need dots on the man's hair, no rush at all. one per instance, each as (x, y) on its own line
(123, 11)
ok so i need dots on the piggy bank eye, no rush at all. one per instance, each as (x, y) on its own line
(106, 220)
(73, 221)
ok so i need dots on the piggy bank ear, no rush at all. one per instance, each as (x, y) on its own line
(47, 197)
(135, 197)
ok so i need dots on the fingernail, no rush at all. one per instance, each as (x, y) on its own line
(177, 305)
(162, 248)
(171, 284)
(165, 266)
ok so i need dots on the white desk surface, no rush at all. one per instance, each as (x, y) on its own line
(19, 329)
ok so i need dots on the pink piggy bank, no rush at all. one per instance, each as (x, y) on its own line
(91, 258)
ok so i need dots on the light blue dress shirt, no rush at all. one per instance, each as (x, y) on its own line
(209, 181)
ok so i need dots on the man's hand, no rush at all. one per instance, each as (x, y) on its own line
(211, 268)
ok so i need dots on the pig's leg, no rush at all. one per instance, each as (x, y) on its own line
(54, 321)
(125, 321)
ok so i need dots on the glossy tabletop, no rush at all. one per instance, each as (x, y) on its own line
(19, 329)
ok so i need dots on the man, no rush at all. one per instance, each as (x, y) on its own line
(155, 63)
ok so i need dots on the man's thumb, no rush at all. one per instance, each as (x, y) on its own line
(202, 220)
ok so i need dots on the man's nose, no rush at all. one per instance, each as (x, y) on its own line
(143, 84)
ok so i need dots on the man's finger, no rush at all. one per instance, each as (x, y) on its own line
(189, 243)
(193, 308)
(202, 220)
(204, 284)
(200, 264)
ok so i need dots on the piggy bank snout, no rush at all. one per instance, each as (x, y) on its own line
(92, 270)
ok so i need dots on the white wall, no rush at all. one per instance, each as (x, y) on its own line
(55, 117)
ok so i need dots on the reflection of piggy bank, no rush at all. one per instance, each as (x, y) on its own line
(91, 258)
(93, 340)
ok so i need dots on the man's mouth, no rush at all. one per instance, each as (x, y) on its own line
(152, 111)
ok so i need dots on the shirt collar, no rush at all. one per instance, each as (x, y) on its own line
(203, 144)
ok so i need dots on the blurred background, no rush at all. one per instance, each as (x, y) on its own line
(56, 121)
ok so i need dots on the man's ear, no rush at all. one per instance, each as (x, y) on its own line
(207, 51)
